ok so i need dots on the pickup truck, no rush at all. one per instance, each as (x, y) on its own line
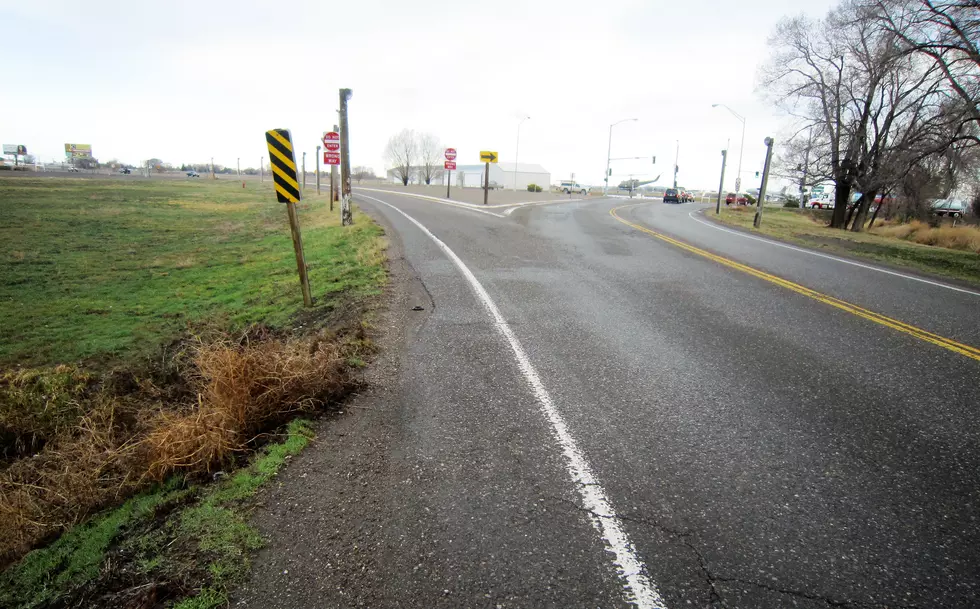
(572, 188)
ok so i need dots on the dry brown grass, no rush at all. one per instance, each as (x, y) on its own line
(125, 442)
(964, 238)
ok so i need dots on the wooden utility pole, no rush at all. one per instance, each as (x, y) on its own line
(346, 216)
(317, 170)
(486, 184)
(304, 172)
(333, 178)
(765, 180)
(721, 184)
(261, 169)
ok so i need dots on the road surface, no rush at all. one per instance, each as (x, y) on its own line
(613, 403)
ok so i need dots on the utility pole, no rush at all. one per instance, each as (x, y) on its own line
(605, 187)
(261, 169)
(212, 168)
(238, 163)
(765, 180)
(806, 163)
(333, 178)
(721, 183)
(346, 217)
(304, 171)
(318, 169)
(676, 158)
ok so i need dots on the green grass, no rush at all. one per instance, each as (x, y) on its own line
(809, 228)
(203, 543)
(108, 270)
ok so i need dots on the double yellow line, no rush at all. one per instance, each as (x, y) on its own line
(894, 324)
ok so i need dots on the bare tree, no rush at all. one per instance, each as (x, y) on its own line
(401, 153)
(947, 32)
(362, 173)
(430, 157)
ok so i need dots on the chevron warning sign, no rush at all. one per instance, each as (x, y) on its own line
(283, 163)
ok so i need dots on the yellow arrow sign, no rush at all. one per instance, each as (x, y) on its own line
(488, 157)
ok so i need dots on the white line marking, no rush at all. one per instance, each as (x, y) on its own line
(835, 258)
(459, 204)
(640, 591)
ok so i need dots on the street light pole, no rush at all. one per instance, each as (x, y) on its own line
(741, 148)
(517, 152)
(765, 181)
(605, 188)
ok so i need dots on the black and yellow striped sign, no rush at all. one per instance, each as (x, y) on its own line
(283, 163)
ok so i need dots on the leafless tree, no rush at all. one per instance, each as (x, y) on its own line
(362, 173)
(871, 110)
(430, 157)
(948, 33)
(401, 153)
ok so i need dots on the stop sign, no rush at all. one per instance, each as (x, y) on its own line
(450, 154)
(331, 141)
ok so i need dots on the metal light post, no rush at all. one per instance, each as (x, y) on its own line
(741, 148)
(605, 187)
(517, 152)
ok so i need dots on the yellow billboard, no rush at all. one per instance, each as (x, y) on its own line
(78, 151)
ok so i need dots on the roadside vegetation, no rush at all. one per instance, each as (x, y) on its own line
(154, 338)
(950, 251)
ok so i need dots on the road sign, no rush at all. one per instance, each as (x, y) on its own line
(331, 158)
(450, 154)
(450, 165)
(283, 163)
(738, 184)
(331, 141)
(488, 157)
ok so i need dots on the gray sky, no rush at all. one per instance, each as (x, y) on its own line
(184, 83)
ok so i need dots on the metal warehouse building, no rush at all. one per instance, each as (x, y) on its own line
(502, 174)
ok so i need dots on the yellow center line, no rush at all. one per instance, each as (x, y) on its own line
(929, 337)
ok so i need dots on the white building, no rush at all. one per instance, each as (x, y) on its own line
(502, 174)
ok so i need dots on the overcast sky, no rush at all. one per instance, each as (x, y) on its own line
(187, 81)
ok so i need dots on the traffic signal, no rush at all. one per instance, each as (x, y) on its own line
(757, 174)
(654, 160)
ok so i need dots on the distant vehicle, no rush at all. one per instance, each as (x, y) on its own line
(671, 196)
(193, 174)
(572, 188)
(820, 203)
(125, 170)
(742, 200)
(686, 197)
(950, 208)
(72, 169)
(730, 198)
(494, 186)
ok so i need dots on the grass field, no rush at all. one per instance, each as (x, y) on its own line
(107, 270)
(809, 228)
(153, 334)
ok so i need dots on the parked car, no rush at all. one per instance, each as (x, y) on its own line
(671, 196)
(950, 208)
(72, 169)
(730, 198)
(125, 170)
(820, 204)
(572, 188)
(193, 174)
(687, 197)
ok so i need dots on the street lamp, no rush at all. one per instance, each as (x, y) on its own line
(518, 151)
(605, 188)
(738, 177)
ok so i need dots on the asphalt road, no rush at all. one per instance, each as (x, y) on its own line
(588, 415)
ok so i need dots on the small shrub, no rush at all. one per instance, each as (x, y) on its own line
(533, 188)
(750, 199)
(792, 203)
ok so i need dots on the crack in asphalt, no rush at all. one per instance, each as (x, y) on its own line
(714, 596)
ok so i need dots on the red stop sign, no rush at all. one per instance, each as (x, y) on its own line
(450, 154)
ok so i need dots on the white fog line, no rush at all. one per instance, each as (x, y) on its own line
(639, 590)
(835, 258)
(450, 202)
